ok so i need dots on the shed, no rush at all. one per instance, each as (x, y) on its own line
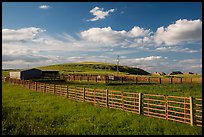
(26, 74)
(50, 74)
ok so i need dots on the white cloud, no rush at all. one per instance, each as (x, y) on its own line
(24, 34)
(99, 13)
(135, 37)
(183, 31)
(139, 32)
(35, 47)
(190, 61)
(175, 49)
(149, 63)
(45, 7)
(144, 59)
(150, 58)
(187, 65)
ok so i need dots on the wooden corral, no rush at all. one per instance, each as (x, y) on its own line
(129, 79)
(186, 110)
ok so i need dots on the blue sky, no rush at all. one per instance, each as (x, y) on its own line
(154, 36)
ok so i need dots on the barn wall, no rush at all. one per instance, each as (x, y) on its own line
(16, 75)
(32, 73)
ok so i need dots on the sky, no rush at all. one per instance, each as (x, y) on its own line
(153, 36)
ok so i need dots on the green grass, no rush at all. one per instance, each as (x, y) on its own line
(26, 112)
(5, 73)
(93, 68)
(184, 90)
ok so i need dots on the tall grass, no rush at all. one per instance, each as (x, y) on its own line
(26, 112)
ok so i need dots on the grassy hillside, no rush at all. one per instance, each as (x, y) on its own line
(25, 112)
(94, 68)
(99, 68)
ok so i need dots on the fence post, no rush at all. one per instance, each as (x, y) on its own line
(171, 80)
(140, 103)
(185, 109)
(44, 88)
(159, 80)
(94, 96)
(135, 103)
(122, 100)
(54, 89)
(181, 80)
(84, 95)
(135, 79)
(191, 110)
(149, 79)
(75, 92)
(107, 79)
(67, 92)
(107, 98)
(29, 84)
(166, 106)
(36, 86)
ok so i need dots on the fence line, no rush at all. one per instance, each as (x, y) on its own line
(132, 79)
(172, 108)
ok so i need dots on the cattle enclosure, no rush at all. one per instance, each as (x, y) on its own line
(173, 108)
(129, 79)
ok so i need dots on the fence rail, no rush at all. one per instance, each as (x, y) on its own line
(129, 79)
(173, 108)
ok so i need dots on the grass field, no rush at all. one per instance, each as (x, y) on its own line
(26, 112)
(184, 90)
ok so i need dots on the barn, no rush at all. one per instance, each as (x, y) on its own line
(34, 74)
(26, 74)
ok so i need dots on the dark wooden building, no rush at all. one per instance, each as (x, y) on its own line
(34, 74)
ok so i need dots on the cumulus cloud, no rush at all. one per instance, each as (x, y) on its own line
(23, 35)
(183, 31)
(45, 7)
(34, 46)
(99, 13)
(135, 37)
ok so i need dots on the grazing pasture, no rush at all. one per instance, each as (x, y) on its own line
(29, 112)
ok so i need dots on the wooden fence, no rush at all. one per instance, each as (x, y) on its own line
(172, 108)
(129, 79)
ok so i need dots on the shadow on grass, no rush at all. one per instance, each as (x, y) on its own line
(128, 84)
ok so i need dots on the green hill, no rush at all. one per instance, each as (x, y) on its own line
(94, 68)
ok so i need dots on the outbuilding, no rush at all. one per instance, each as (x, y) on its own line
(26, 74)
(50, 74)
